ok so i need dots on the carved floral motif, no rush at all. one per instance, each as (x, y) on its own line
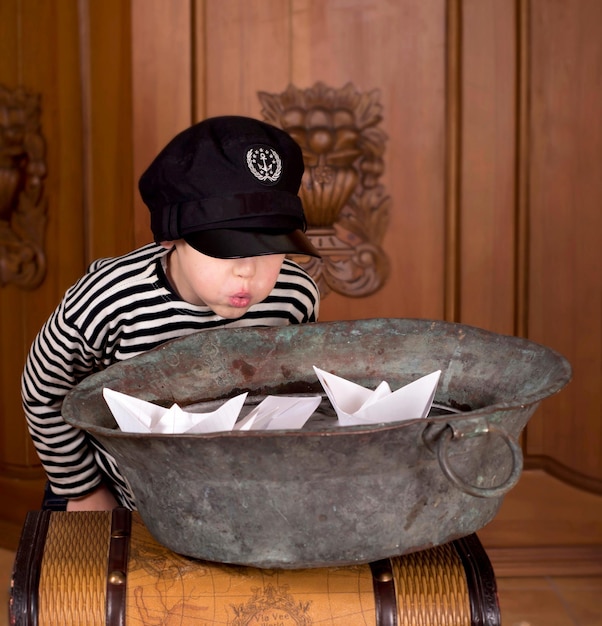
(346, 209)
(22, 205)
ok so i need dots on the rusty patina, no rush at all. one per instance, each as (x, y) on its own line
(325, 495)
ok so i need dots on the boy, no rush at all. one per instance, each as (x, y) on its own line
(224, 213)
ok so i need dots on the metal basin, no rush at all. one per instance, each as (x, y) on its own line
(325, 495)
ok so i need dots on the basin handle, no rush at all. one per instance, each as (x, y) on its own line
(442, 445)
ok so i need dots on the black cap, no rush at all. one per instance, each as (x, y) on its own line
(228, 186)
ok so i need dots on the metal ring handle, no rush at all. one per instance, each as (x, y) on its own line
(481, 492)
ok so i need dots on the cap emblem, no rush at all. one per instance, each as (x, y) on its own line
(265, 164)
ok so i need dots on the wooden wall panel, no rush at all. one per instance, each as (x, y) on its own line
(77, 56)
(44, 60)
(242, 48)
(247, 49)
(9, 43)
(565, 200)
(46, 32)
(11, 338)
(162, 87)
(397, 48)
(106, 55)
(487, 230)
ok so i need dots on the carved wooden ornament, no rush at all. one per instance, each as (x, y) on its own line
(22, 205)
(346, 209)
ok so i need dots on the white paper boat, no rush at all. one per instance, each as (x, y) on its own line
(138, 416)
(273, 413)
(355, 405)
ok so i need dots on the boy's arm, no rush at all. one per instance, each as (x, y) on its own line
(100, 499)
(57, 361)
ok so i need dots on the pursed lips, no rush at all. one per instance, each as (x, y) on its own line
(240, 300)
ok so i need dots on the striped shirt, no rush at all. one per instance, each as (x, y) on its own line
(120, 308)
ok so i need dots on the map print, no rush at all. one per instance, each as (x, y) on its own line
(166, 589)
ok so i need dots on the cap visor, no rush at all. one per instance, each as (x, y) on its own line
(233, 244)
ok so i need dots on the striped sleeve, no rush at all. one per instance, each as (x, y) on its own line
(57, 360)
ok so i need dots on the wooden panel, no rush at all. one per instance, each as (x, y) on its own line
(11, 338)
(247, 49)
(487, 220)
(76, 55)
(9, 43)
(397, 48)
(565, 297)
(162, 86)
(107, 112)
(47, 63)
(260, 46)
(546, 528)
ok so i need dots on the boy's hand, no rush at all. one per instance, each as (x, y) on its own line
(99, 500)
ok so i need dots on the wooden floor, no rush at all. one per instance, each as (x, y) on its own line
(545, 546)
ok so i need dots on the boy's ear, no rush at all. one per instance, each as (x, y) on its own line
(168, 245)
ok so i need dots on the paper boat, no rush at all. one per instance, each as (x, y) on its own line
(356, 405)
(273, 413)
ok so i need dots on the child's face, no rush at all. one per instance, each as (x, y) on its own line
(229, 287)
